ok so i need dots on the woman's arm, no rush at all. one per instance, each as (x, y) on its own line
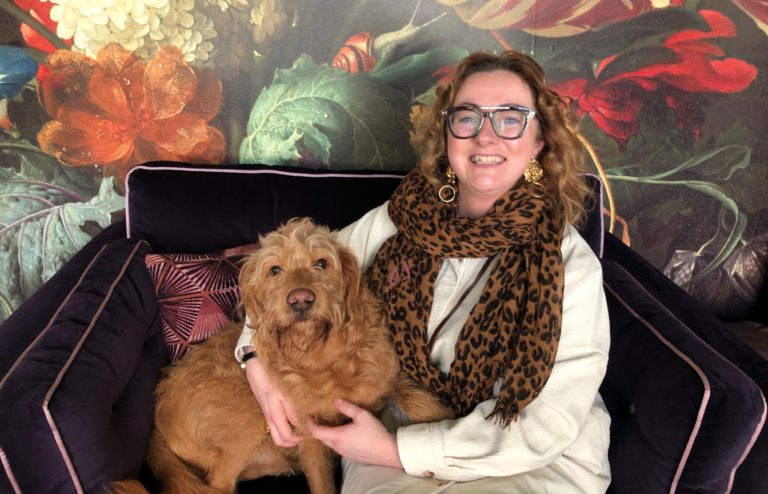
(278, 411)
(363, 440)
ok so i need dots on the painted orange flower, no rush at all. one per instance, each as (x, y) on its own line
(118, 111)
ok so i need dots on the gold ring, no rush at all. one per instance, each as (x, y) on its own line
(266, 429)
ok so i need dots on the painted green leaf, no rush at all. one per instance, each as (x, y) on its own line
(738, 157)
(319, 116)
(48, 172)
(42, 225)
(417, 70)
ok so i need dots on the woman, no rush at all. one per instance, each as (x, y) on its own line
(495, 302)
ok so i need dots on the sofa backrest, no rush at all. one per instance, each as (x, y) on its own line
(179, 207)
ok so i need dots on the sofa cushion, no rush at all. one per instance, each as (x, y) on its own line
(28, 320)
(80, 396)
(683, 417)
(750, 477)
(178, 207)
(198, 294)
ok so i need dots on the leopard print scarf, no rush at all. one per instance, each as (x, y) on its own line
(514, 329)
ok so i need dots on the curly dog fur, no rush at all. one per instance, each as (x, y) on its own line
(318, 332)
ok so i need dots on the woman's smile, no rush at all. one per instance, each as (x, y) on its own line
(483, 159)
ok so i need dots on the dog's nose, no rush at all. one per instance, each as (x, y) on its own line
(300, 299)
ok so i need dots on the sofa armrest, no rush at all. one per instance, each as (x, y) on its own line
(750, 477)
(27, 320)
(683, 417)
(76, 402)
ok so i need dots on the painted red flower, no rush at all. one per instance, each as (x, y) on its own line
(118, 111)
(552, 18)
(757, 10)
(693, 69)
(40, 11)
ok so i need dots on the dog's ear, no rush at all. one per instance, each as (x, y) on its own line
(350, 272)
(357, 296)
(248, 283)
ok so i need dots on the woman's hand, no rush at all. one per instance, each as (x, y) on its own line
(278, 410)
(364, 440)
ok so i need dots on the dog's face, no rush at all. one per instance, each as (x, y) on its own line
(299, 286)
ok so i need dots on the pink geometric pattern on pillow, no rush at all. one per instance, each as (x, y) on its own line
(198, 294)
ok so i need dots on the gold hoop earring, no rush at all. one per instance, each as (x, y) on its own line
(447, 192)
(533, 173)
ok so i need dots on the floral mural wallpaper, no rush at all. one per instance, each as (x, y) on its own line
(671, 96)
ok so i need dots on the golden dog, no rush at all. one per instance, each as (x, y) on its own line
(318, 332)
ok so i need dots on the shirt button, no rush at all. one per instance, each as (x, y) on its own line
(429, 474)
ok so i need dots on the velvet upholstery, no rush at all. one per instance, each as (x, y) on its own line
(750, 476)
(77, 401)
(165, 203)
(684, 395)
(661, 377)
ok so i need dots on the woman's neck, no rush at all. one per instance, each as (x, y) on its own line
(474, 208)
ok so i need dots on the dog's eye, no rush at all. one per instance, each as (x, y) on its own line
(275, 270)
(321, 264)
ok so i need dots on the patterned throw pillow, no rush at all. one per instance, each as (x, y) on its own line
(198, 294)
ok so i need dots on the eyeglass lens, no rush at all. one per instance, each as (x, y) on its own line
(508, 124)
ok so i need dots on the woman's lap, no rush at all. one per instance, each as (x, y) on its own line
(560, 476)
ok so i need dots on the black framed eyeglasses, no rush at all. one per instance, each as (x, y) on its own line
(508, 122)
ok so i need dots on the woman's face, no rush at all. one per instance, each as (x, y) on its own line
(486, 165)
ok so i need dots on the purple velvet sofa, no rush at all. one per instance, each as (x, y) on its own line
(80, 358)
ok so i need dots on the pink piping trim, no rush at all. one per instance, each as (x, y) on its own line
(247, 172)
(50, 323)
(9, 472)
(759, 426)
(602, 217)
(46, 410)
(704, 382)
(45, 330)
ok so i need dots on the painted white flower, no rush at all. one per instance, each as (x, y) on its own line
(235, 51)
(142, 26)
(266, 17)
